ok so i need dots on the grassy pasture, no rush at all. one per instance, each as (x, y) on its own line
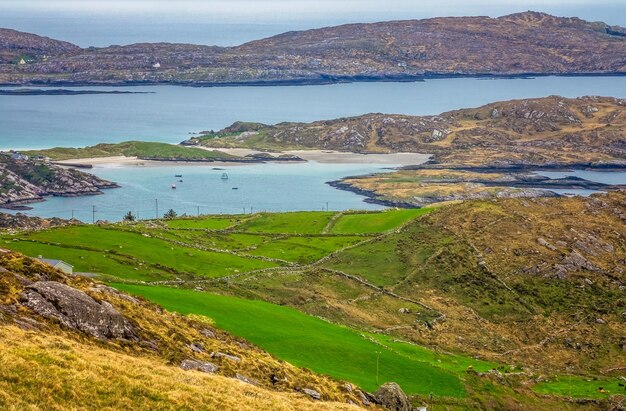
(92, 261)
(307, 341)
(206, 223)
(581, 387)
(300, 222)
(182, 259)
(364, 223)
(303, 250)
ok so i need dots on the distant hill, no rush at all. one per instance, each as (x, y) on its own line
(542, 132)
(15, 45)
(517, 44)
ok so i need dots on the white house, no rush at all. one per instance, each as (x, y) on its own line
(58, 264)
(156, 65)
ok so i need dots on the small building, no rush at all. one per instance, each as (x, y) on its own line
(22, 62)
(58, 264)
(156, 65)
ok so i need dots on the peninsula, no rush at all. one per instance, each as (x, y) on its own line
(24, 181)
(485, 152)
(522, 44)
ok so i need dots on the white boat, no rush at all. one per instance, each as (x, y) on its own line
(173, 186)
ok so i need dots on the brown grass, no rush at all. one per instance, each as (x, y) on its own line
(43, 371)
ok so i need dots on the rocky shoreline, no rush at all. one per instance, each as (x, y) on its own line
(429, 190)
(26, 181)
(313, 81)
(61, 92)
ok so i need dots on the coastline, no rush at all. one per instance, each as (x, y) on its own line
(325, 79)
(319, 156)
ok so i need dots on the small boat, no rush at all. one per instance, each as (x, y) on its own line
(235, 188)
(178, 175)
(180, 181)
(224, 176)
(173, 186)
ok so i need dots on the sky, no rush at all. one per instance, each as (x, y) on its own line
(230, 22)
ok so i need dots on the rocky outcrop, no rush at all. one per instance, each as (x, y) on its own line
(77, 310)
(198, 365)
(23, 222)
(27, 181)
(391, 397)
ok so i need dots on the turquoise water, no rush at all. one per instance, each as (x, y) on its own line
(261, 187)
(172, 112)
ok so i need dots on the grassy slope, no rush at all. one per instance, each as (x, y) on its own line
(442, 269)
(149, 250)
(45, 365)
(306, 341)
(48, 371)
(141, 149)
(374, 222)
(301, 222)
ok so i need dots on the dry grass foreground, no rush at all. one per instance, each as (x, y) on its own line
(42, 371)
(46, 366)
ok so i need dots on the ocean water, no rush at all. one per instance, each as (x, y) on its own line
(605, 177)
(171, 112)
(260, 187)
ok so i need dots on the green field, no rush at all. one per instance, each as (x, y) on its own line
(362, 223)
(301, 222)
(211, 223)
(141, 149)
(363, 320)
(309, 342)
(581, 387)
(202, 247)
(146, 250)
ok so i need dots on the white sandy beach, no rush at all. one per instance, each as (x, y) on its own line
(319, 156)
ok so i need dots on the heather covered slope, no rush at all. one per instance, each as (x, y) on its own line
(517, 44)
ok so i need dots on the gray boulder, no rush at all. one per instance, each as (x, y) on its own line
(312, 393)
(76, 310)
(391, 397)
(198, 365)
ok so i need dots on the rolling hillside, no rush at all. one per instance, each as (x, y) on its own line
(480, 305)
(517, 44)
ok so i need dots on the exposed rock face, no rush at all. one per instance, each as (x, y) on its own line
(312, 393)
(198, 365)
(77, 310)
(26, 181)
(391, 396)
